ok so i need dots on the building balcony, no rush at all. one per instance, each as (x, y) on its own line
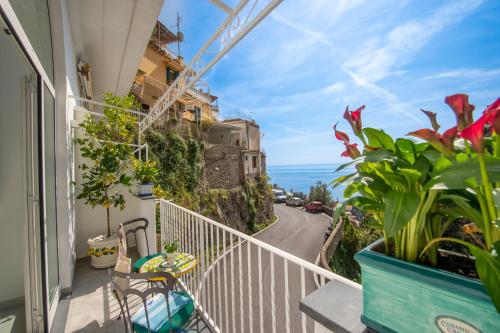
(164, 47)
(240, 284)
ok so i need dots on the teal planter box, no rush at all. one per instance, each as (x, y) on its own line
(403, 297)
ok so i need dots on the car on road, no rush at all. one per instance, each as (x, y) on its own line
(295, 202)
(279, 196)
(314, 207)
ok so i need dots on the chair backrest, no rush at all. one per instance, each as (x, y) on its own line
(133, 227)
(148, 290)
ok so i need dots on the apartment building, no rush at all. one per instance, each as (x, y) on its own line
(249, 139)
(158, 69)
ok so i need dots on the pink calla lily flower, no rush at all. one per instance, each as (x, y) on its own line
(341, 136)
(354, 119)
(475, 132)
(351, 150)
(442, 142)
(459, 103)
(432, 117)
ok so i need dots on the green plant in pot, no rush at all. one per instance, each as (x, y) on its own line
(146, 172)
(105, 147)
(171, 251)
(437, 203)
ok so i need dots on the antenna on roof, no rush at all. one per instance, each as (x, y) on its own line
(180, 35)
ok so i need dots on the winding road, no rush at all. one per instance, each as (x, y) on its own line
(297, 232)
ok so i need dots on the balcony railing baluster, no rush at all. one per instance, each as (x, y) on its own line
(250, 295)
(240, 272)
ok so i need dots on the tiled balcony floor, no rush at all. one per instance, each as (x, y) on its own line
(92, 308)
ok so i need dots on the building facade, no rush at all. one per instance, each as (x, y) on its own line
(249, 139)
(158, 69)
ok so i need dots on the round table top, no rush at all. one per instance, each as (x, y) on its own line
(184, 263)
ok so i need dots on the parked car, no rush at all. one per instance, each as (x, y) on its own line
(279, 196)
(314, 207)
(295, 202)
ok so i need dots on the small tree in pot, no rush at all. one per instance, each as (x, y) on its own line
(106, 170)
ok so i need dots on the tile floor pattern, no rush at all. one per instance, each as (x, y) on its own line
(92, 308)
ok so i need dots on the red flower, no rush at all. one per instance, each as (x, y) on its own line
(463, 110)
(351, 150)
(354, 119)
(493, 110)
(441, 142)
(340, 135)
(432, 117)
(475, 132)
(449, 136)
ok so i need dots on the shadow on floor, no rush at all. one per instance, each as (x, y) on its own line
(92, 308)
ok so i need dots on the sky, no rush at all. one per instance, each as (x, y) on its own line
(296, 72)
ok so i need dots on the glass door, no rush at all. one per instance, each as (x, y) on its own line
(29, 288)
(21, 301)
(49, 205)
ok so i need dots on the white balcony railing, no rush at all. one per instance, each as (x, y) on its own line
(242, 284)
(164, 46)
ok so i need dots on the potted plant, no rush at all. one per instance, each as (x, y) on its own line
(107, 151)
(145, 172)
(437, 202)
(171, 251)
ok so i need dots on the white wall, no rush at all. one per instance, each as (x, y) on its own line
(66, 85)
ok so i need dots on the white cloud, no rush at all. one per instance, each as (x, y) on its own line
(391, 100)
(403, 42)
(471, 74)
(317, 36)
(333, 88)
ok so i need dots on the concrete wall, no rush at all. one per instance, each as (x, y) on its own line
(253, 136)
(154, 65)
(249, 136)
(219, 135)
(66, 85)
(249, 167)
(223, 166)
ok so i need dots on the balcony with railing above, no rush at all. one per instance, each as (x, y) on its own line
(163, 39)
(145, 87)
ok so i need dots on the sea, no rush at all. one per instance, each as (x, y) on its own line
(300, 178)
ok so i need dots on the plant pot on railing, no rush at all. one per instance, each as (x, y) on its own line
(145, 172)
(399, 296)
(145, 190)
(103, 250)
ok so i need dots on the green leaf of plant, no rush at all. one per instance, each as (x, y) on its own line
(431, 155)
(406, 149)
(462, 209)
(379, 139)
(411, 175)
(399, 208)
(378, 155)
(348, 164)
(488, 268)
(463, 175)
(342, 180)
